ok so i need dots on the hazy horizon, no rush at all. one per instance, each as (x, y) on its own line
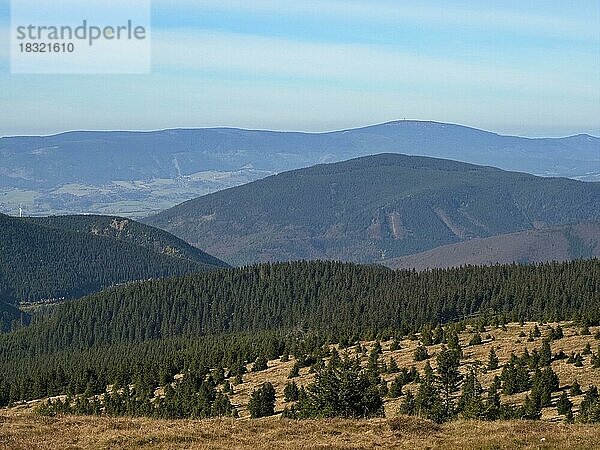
(519, 69)
(325, 131)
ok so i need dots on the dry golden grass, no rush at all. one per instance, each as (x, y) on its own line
(21, 428)
(25, 431)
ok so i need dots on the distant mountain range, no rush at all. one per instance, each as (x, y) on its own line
(564, 243)
(375, 208)
(68, 257)
(138, 173)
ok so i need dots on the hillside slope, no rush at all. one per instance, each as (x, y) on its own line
(531, 246)
(136, 173)
(145, 331)
(374, 208)
(39, 262)
(337, 299)
(132, 232)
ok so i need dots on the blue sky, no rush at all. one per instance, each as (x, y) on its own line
(517, 67)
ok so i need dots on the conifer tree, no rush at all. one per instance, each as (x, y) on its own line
(428, 402)
(531, 409)
(492, 360)
(295, 370)
(426, 338)
(470, 403)
(421, 353)
(345, 390)
(392, 366)
(262, 401)
(408, 405)
(395, 345)
(260, 364)
(575, 388)
(545, 354)
(395, 389)
(492, 404)
(476, 339)
(564, 406)
(449, 377)
(589, 411)
(291, 392)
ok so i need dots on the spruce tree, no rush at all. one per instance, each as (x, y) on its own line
(295, 370)
(531, 409)
(492, 360)
(408, 405)
(260, 364)
(492, 404)
(262, 401)
(545, 354)
(449, 377)
(428, 402)
(575, 388)
(291, 392)
(589, 411)
(476, 339)
(395, 389)
(470, 403)
(564, 406)
(395, 345)
(392, 366)
(421, 353)
(345, 390)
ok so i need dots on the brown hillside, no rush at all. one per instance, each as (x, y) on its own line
(530, 246)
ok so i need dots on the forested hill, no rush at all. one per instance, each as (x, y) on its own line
(39, 262)
(130, 231)
(149, 331)
(337, 299)
(374, 208)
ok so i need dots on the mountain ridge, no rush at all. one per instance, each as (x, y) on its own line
(269, 130)
(138, 173)
(373, 208)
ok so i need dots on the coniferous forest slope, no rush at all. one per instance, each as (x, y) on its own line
(232, 316)
(374, 208)
(68, 257)
(132, 232)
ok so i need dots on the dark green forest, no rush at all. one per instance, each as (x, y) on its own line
(11, 316)
(152, 330)
(39, 262)
(130, 231)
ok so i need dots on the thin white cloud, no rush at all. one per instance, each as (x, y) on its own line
(350, 63)
(440, 13)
